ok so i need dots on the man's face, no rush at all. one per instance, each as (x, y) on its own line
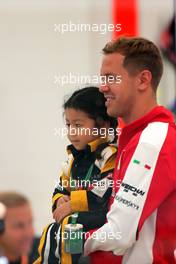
(121, 97)
(19, 233)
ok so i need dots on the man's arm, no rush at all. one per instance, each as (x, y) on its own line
(148, 171)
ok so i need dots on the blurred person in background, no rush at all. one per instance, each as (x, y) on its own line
(3, 260)
(17, 241)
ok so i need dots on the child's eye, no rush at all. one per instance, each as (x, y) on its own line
(67, 125)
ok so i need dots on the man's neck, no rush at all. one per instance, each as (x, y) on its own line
(139, 111)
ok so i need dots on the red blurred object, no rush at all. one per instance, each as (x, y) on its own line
(104, 257)
(125, 12)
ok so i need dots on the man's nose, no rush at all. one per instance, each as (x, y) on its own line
(103, 88)
(30, 231)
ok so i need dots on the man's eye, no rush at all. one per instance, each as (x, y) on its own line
(18, 225)
(78, 125)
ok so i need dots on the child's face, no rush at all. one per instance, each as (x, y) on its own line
(80, 128)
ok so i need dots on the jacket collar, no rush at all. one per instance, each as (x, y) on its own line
(91, 147)
(157, 114)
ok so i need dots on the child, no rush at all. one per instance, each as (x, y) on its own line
(91, 158)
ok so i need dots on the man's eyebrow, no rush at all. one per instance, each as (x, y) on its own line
(107, 74)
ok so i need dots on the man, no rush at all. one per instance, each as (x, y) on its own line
(17, 239)
(143, 207)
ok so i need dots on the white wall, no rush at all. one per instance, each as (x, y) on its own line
(31, 53)
(154, 16)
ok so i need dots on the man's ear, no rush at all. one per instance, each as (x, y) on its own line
(144, 80)
(2, 216)
(2, 226)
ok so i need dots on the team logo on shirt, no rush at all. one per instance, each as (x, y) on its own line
(126, 202)
(135, 191)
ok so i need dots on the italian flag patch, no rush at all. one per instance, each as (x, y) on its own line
(138, 162)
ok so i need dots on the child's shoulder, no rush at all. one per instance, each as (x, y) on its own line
(67, 164)
(107, 154)
(109, 150)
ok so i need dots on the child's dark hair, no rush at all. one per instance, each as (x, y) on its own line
(91, 101)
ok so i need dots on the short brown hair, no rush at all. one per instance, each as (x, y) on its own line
(140, 54)
(12, 199)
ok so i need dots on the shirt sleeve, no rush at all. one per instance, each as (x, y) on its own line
(62, 188)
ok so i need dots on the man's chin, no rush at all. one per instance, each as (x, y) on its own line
(25, 249)
(111, 113)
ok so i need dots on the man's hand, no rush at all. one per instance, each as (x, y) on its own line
(62, 211)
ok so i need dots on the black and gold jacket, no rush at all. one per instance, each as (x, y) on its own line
(91, 202)
(89, 198)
